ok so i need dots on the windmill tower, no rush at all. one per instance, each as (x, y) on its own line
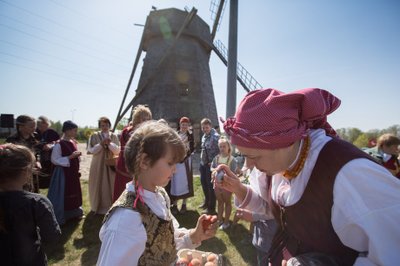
(175, 79)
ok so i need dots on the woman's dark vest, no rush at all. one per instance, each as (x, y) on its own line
(160, 246)
(306, 226)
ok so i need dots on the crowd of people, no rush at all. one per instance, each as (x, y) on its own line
(310, 197)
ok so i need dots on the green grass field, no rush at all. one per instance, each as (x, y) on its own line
(80, 243)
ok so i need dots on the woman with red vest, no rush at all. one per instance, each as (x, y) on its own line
(334, 204)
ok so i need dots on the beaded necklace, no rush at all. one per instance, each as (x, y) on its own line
(296, 169)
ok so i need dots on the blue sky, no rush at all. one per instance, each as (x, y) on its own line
(72, 59)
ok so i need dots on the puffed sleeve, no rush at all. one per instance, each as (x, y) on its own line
(123, 239)
(57, 158)
(366, 212)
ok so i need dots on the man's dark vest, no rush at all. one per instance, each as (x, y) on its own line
(160, 246)
(306, 226)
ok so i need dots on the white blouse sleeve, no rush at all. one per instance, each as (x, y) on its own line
(366, 212)
(57, 158)
(96, 148)
(254, 203)
(123, 239)
(114, 148)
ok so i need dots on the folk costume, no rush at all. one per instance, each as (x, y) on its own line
(147, 234)
(65, 189)
(181, 186)
(101, 176)
(50, 136)
(339, 203)
(122, 177)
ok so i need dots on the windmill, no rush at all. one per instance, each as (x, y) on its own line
(175, 80)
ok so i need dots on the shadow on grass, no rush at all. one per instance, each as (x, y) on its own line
(56, 252)
(90, 241)
(241, 238)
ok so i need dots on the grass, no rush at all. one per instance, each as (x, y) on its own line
(80, 242)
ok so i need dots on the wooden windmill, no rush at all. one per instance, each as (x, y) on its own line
(175, 80)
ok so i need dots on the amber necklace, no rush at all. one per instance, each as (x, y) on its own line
(296, 169)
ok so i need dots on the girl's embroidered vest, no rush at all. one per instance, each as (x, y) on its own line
(160, 246)
(306, 226)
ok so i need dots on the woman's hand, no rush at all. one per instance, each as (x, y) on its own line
(244, 215)
(75, 154)
(231, 182)
(206, 228)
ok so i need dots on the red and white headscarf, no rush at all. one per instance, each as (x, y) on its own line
(271, 119)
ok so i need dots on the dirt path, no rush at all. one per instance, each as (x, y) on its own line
(86, 159)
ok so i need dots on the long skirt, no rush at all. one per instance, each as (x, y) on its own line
(182, 181)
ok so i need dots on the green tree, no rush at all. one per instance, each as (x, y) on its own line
(361, 141)
(57, 126)
(122, 123)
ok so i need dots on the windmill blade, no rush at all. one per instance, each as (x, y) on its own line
(247, 81)
(138, 54)
(218, 15)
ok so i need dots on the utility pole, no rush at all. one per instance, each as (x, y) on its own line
(232, 59)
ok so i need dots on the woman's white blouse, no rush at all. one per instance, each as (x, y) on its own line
(366, 208)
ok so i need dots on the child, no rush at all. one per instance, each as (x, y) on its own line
(139, 228)
(182, 181)
(65, 189)
(224, 197)
(26, 219)
(386, 153)
(140, 114)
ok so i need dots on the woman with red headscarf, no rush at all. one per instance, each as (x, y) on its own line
(334, 204)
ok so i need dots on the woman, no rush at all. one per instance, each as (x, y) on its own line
(65, 189)
(140, 114)
(333, 202)
(25, 136)
(181, 186)
(102, 144)
(47, 138)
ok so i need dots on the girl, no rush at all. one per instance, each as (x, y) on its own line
(101, 176)
(182, 181)
(224, 197)
(26, 219)
(139, 228)
(140, 114)
(65, 189)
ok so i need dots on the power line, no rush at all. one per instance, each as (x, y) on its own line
(61, 37)
(61, 25)
(61, 59)
(57, 75)
(45, 64)
(113, 29)
(58, 44)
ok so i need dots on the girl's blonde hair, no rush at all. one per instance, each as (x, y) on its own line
(152, 138)
(225, 140)
(14, 160)
(140, 113)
